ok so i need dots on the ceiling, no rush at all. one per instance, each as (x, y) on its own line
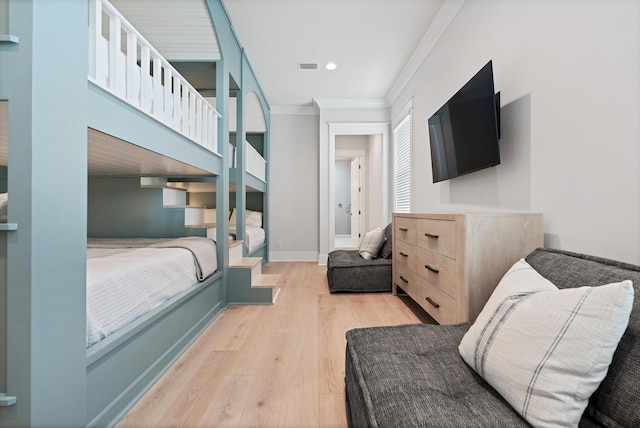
(370, 41)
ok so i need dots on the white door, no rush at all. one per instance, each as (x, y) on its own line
(356, 198)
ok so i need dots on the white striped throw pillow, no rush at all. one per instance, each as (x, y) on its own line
(371, 243)
(546, 350)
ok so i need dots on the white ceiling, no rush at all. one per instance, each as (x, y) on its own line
(370, 41)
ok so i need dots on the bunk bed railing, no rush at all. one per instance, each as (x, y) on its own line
(256, 164)
(125, 64)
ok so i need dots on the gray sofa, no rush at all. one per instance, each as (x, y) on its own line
(413, 375)
(347, 271)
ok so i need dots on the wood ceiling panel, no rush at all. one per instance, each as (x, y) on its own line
(179, 30)
(109, 156)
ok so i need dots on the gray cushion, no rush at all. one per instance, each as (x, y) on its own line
(412, 375)
(386, 250)
(347, 271)
(615, 402)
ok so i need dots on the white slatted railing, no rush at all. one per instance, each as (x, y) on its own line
(256, 164)
(124, 63)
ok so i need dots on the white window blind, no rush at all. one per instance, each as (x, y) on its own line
(402, 165)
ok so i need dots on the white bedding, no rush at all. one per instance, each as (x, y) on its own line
(124, 283)
(253, 236)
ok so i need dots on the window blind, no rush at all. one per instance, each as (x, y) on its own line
(402, 165)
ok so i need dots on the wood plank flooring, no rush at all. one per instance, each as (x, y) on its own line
(276, 365)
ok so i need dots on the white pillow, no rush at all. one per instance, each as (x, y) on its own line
(371, 243)
(253, 218)
(546, 350)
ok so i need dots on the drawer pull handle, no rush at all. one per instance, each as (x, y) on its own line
(432, 302)
(405, 280)
(434, 270)
(431, 235)
(403, 229)
(404, 254)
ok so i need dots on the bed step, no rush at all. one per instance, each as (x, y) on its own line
(276, 293)
(266, 280)
(253, 263)
(174, 198)
(248, 285)
(153, 182)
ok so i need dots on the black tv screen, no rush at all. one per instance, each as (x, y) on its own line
(464, 132)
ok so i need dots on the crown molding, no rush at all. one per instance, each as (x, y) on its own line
(342, 103)
(440, 23)
(366, 128)
(294, 110)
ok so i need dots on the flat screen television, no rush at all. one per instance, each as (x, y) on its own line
(464, 132)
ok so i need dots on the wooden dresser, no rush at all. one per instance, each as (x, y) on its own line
(450, 263)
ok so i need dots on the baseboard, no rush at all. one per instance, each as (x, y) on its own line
(323, 259)
(293, 256)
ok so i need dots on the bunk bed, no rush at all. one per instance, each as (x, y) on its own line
(143, 119)
(133, 336)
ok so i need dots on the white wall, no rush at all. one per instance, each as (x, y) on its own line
(568, 73)
(293, 187)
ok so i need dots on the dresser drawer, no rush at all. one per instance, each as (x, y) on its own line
(438, 304)
(403, 278)
(437, 270)
(405, 229)
(404, 255)
(438, 236)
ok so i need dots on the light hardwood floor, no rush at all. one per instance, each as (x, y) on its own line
(276, 365)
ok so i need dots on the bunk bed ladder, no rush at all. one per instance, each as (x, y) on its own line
(248, 285)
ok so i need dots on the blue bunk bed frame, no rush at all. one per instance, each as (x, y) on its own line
(54, 379)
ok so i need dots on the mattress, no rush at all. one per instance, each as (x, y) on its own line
(128, 278)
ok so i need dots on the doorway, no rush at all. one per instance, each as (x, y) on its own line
(369, 142)
(349, 197)
(378, 168)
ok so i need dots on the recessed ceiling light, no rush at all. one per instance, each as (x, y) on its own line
(331, 66)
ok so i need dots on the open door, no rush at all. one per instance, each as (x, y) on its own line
(356, 205)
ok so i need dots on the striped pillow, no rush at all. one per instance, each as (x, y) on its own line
(371, 243)
(546, 350)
